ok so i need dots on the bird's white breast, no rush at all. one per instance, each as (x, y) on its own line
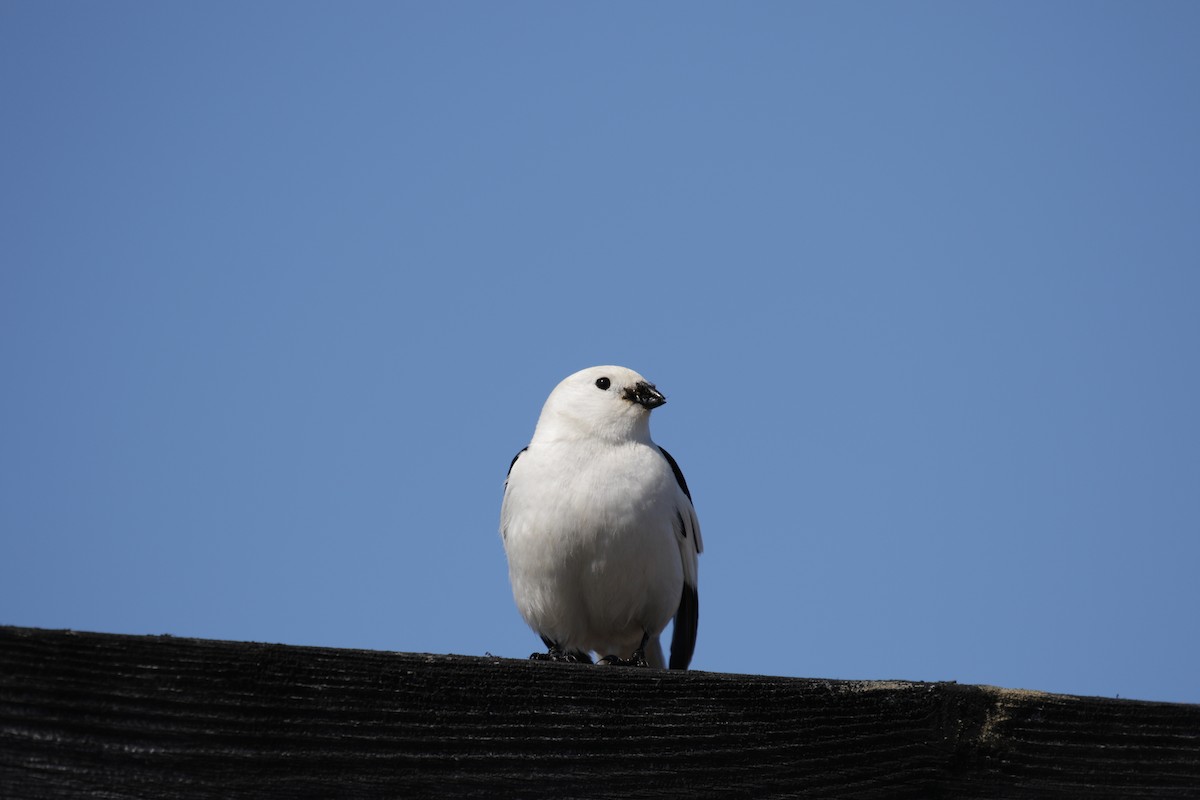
(589, 530)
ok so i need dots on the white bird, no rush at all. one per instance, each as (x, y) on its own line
(599, 528)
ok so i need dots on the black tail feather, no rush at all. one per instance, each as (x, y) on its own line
(687, 621)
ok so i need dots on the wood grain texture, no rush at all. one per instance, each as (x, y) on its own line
(108, 716)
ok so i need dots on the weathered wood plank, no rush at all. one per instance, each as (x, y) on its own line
(107, 716)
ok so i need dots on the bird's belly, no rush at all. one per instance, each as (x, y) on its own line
(597, 587)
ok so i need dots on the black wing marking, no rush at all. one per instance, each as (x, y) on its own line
(674, 468)
(503, 530)
(687, 617)
(687, 620)
(510, 464)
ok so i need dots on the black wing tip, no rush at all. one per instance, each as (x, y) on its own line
(687, 621)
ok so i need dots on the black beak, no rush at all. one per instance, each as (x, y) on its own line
(645, 395)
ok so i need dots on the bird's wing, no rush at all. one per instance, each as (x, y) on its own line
(687, 534)
(689, 525)
(514, 461)
(503, 516)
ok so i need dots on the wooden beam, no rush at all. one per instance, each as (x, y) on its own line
(99, 715)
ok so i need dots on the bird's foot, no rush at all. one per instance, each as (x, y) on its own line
(638, 659)
(557, 654)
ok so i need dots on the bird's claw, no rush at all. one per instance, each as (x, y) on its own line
(637, 660)
(558, 655)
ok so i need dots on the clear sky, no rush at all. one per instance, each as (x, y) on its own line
(284, 286)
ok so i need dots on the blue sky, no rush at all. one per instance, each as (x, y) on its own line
(284, 286)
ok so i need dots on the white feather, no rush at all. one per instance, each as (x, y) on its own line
(590, 522)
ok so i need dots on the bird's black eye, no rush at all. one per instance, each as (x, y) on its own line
(603, 383)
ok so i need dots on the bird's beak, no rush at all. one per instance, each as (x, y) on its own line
(645, 395)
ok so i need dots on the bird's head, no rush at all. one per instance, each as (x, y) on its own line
(600, 402)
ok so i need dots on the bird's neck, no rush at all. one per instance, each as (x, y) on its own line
(560, 428)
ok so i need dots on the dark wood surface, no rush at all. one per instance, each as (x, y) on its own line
(109, 716)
